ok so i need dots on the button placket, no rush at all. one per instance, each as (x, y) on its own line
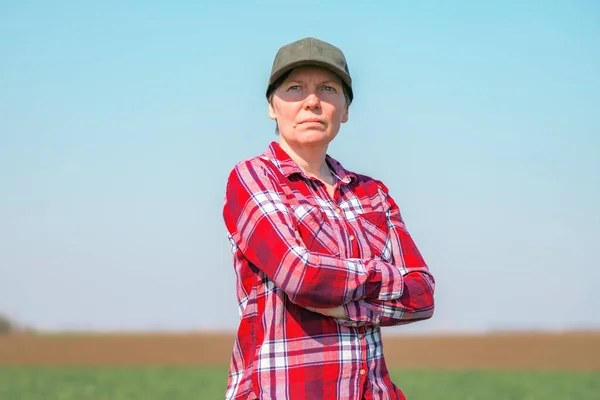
(355, 252)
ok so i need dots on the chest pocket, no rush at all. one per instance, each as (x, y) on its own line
(375, 228)
(315, 230)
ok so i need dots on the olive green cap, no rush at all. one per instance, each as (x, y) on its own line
(310, 51)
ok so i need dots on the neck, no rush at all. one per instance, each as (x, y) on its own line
(311, 160)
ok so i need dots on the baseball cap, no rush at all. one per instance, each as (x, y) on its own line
(310, 51)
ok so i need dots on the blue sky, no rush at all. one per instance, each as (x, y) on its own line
(119, 124)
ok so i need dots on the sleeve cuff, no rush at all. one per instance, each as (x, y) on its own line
(359, 314)
(392, 281)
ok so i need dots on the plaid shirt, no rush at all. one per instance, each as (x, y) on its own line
(295, 247)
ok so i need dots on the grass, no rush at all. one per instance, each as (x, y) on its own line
(498, 385)
(95, 383)
(207, 383)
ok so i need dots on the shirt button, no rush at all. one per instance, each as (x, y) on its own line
(338, 210)
(362, 372)
(377, 320)
(353, 324)
(351, 237)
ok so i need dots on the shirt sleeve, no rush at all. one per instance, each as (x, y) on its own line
(262, 227)
(417, 300)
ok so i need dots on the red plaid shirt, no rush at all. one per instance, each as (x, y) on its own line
(294, 247)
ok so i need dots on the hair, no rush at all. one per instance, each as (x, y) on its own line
(273, 87)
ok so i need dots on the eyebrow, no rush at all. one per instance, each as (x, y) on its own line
(320, 82)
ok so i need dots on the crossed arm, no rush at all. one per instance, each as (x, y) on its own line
(417, 300)
(355, 291)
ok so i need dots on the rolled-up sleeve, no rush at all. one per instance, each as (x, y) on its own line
(417, 300)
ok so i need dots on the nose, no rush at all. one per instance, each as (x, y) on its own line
(312, 101)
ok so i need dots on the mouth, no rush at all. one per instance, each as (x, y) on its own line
(312, 121)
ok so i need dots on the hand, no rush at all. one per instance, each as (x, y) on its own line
(337, 312)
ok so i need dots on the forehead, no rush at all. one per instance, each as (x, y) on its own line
(309, 72)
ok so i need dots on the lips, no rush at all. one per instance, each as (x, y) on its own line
(312, 121)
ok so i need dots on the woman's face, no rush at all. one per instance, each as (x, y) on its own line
(309, 107)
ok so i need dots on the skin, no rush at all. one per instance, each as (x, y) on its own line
(309, 107)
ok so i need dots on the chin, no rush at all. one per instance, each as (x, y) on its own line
(313, 138)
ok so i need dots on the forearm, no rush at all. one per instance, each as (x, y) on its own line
(320, 280)
(415, 304)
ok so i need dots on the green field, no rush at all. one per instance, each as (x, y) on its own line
(151, 383)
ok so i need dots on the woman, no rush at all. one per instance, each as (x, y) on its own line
(321, 254)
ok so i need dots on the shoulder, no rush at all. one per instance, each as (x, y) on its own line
(373, 188)
(359, 181)
(369, 184)
(250, 169)
(253, 175)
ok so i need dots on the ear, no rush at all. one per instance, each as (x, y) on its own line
(272, 114)
(345, 115)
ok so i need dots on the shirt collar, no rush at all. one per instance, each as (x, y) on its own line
(288, 167)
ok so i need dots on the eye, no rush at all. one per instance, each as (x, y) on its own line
(329, 89)
(294, 88)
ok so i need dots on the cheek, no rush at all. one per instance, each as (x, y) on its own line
(338, 115)
(285, 112)
(337, 110)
